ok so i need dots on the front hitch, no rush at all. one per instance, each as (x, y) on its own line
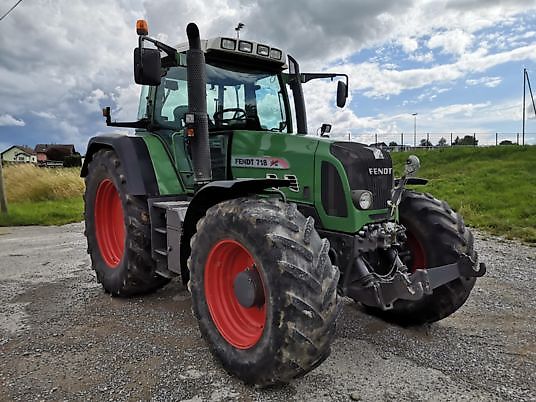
(382, 292)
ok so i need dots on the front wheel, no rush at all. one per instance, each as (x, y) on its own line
(436, 235)
(263, 289)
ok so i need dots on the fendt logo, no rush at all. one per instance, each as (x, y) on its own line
(379, 171)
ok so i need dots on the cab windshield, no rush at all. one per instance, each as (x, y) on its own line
(249, 100)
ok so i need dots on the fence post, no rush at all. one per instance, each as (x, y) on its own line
(474, 139)
(376, 138)
(427, 140)
(450, 139)
(3, 199)
(496, 139)
(517, 139)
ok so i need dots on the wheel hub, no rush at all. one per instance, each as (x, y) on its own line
(248, 288)
(235, 294)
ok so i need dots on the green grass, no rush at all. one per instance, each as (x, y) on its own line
(492, 188)
(50, 212)
(41, 196)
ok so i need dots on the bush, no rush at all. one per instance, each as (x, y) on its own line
(74, 160)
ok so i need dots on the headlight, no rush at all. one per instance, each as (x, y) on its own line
(362, 199)
(228, 44)
(275, 54)
(244, 46)
(263, 50)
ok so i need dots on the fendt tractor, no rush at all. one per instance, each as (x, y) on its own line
(268, 227)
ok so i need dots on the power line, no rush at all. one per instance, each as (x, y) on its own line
(11, 9)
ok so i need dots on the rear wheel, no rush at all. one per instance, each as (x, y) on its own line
(263, 289)
(118, 230)
(435, 236)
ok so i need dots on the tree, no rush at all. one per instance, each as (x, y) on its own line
(442, 142)
(506, 142)
(426, 143)
(393, 144)
(466, 140)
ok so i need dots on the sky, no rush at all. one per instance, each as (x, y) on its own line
(457, 64)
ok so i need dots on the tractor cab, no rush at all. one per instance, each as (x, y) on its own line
(247, 87)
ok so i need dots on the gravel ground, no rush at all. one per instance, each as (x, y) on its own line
(63, 338)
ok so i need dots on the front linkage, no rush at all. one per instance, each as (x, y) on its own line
(377, 290)
(373, 289)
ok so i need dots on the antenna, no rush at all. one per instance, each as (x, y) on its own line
(238, 28)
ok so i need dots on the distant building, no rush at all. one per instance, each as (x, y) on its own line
(53, 154)
(19, 154)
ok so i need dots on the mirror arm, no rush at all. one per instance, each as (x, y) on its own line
(305, 77)
(171, 52)
(142, 123)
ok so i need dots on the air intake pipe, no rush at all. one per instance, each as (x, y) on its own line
(197, 105)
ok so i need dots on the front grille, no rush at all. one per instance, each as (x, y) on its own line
(364, 171)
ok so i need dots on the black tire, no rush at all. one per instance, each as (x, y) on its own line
(133, 271)
(441, 234)
(300, 288)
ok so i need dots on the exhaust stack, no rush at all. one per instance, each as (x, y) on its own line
(197, 105)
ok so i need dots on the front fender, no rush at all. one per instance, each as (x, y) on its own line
(135, 159)
(212, 194)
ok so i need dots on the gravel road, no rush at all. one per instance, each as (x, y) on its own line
(63, 338)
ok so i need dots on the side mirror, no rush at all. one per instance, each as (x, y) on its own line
(147, 66)
(325, 130)
(412, 166)
(342, 93)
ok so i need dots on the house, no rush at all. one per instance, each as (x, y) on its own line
(53, 154)
(19, 154)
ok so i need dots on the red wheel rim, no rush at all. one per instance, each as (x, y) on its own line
(109, 223)
(418, 256)
(241, 327)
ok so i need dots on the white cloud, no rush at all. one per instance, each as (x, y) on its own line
(467, 110)
(44, 115)
(490, 82)
(427, 57)
(8, 120)
(378, 82)
(409, 45)
(451, 42)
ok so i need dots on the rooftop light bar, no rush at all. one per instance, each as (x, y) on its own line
(246, 47)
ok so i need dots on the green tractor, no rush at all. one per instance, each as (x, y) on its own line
(268, 227)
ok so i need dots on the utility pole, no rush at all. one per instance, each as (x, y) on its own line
(526, 80)
(524, 86)
(414, 129)
(3, 200)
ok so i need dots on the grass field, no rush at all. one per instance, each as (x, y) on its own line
(39, 196)
(493, 188)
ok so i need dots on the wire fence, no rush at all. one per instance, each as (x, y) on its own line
(403, 141)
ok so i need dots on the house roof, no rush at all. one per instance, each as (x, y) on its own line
(23, 148)
(66, 148)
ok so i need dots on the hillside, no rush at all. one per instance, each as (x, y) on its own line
(493, 188)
